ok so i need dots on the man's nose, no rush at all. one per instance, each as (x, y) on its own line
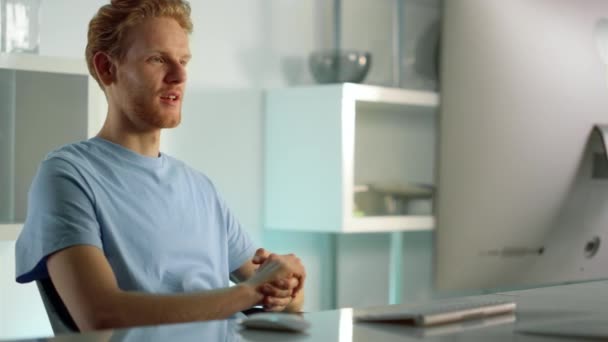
(177, 73)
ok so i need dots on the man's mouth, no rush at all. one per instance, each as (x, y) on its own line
(170, 97)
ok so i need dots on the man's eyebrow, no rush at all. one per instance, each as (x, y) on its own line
(165, 53)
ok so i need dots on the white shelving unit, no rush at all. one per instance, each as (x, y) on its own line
(10, 232)
(325, 143)
(31, 62)
(45, 102)
(63, 67)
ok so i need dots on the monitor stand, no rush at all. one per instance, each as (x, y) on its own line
(576, 248)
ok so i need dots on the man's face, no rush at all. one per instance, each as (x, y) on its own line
(151, 78)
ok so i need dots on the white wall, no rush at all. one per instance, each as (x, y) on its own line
(235, 43)
(63, 26)
(241, 47)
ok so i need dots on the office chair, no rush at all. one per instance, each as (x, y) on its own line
(60, 318)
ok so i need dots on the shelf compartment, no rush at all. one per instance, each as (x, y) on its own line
(45, 102)
(316, 139)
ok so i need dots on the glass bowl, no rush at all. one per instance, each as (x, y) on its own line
(337, 66)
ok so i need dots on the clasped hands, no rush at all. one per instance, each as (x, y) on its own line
(279, 278)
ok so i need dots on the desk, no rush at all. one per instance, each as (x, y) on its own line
(542, 305)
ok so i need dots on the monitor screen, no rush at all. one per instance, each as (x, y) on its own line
(521, 200)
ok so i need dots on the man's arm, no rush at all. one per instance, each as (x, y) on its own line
(278, 295)
(87, 285)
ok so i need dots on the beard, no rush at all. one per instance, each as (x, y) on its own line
(159, 120)
(155, 116)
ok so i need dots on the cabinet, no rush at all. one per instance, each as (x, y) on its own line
(45, 102)
(349, 158)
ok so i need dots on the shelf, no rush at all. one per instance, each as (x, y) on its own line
(10, 232)
(45, 102)
(390, 224)
(325, 143)
(31, 62)
(377, 225)
(371, 94)
(384, 95)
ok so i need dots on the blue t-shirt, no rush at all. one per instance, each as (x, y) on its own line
(161, 224)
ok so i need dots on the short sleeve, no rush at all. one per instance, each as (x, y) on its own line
(240, 245)
(60, 214)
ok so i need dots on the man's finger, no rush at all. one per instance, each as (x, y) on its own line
(259, 256)
(287, 284)
(276, 304)
(300, 285)
(261, 252)
(276, 308)
(272, 291)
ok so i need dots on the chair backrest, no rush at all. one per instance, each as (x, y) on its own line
(60, 318)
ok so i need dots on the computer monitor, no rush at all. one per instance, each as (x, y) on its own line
(522, 84)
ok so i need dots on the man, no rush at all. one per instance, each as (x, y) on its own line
(128, 235)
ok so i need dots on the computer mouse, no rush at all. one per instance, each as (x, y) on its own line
(276, 321)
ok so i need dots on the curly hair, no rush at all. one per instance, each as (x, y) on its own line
(110, 25)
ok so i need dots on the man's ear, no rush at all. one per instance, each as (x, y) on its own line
(104, 67)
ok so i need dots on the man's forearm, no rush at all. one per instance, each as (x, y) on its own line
(123, 309)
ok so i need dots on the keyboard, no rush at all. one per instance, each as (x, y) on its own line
(437, 312)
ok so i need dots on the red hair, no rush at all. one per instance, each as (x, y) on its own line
(110, 25)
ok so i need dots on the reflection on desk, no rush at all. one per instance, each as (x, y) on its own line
(225, 331)
(585, 302)
(204, 331)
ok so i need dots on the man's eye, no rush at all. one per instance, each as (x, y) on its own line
(157, 59)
